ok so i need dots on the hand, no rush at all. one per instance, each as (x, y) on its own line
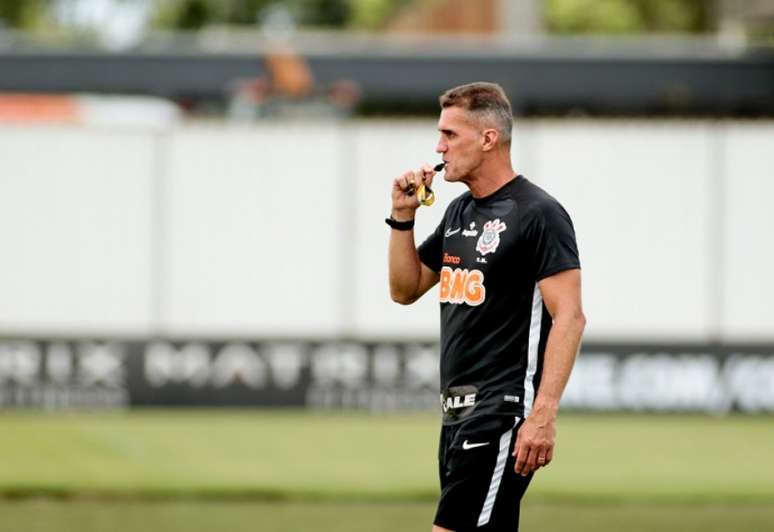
(535, 442)
(404, 191)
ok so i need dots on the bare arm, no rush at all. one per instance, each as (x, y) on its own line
(536, 437)
(409, 278)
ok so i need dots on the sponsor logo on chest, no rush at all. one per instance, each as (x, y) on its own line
(450, 259)
(472, 231)
(460, 285)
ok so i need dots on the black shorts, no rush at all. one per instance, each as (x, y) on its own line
(479, 489)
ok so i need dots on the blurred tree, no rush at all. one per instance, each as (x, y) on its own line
(21, 14)
(327, 13)
(688, 16)
(193, 15)
(243, 12)
(374, 14)
(356, 14)
(591, 16)
(11, 13)
(629, 16)
(562, 16)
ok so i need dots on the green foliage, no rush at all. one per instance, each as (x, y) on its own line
(195, 14)
(562, 16)
(357, 14)
(326, 13)
(591, 16)
(374, 14)
(628, 16)
(763, 34)
(690, 16)
(21, 14)
(248, 12)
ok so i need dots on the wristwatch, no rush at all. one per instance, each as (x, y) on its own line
(400, 226)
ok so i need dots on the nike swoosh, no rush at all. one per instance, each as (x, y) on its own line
(449, 232)
(466, 445)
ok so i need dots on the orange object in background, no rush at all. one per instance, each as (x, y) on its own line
(290, 74)
(448, 16)
(38, 108)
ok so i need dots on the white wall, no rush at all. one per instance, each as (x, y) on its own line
(276, 229)
(75, 229)
(639, 195)
(747, 238)
(250, 231)
(385, 150)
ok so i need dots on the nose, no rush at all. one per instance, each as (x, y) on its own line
(440, 147)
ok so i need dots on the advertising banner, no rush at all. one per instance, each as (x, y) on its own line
(55, 374)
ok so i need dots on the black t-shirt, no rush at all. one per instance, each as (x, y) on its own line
(490, 253)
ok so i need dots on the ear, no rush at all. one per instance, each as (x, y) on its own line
(489, 138)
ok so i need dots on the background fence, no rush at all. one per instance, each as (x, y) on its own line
(277, 230)
(214, 234)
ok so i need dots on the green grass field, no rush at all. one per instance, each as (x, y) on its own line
(209, 516)
(278, 470)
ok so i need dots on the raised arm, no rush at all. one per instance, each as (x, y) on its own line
(409, 278)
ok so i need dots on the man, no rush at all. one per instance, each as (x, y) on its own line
(511, 314)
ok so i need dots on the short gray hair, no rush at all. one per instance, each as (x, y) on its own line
(487, 101)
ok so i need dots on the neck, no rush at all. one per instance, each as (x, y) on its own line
(490, 176)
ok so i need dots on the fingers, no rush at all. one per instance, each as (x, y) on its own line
(408, 182)
(411, 180)
(544, 455)
(530, 464)
(404, 184)
(530, 461)
(520, 452)
(416, 180)
(428, 173)
(423, 176)
(526, 460)
(521, 467)
(531, 456)
(549, 456)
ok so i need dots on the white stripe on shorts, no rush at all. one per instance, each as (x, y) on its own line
(502, 457)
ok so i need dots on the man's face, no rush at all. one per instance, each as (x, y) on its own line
(459, 143)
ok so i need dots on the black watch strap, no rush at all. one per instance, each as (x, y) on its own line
(400, 226)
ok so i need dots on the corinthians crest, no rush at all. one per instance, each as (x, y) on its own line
(490, 237)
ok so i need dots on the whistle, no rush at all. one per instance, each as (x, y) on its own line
(425, 195)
